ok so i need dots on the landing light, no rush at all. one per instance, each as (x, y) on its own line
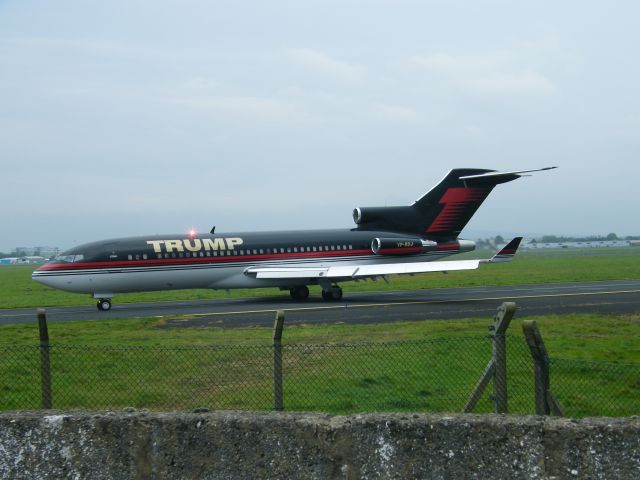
(192, 232)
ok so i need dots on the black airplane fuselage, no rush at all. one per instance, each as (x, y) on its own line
(218, 261)
(386, 241)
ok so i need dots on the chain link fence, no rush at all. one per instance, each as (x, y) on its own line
(432, 375)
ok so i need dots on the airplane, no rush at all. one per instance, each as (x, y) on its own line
(385, 241)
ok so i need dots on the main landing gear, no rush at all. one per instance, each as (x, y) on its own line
(104, 304)
(299, 293)
(332, 295)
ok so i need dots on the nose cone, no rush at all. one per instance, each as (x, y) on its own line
(40, 276)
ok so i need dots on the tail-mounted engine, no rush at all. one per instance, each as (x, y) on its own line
(401, 246)
(396, 219)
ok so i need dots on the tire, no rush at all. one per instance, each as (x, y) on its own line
(104, 304)
(333, 295)
(299, 293)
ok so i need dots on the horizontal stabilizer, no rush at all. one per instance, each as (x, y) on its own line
(504, 174)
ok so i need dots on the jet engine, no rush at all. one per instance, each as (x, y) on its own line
(401, 246)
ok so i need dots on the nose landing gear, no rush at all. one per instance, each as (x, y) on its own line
(104, 304)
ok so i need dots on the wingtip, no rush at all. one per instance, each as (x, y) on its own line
(507, 252)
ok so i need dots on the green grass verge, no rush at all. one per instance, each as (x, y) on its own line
(18, 290)
(334, 368)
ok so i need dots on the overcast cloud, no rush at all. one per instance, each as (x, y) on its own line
(123, 118)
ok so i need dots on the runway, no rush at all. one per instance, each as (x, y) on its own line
(611, 297)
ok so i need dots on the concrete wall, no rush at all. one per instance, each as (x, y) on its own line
(284, 445)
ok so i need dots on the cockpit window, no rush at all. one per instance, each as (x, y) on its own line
(68, 258)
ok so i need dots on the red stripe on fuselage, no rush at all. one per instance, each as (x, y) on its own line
(157, 262)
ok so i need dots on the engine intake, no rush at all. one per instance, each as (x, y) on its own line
(401, 246)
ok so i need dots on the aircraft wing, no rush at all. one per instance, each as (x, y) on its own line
(355, 272)
(361, 271)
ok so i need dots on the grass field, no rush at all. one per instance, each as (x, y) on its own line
(334, 368)
(18, 290)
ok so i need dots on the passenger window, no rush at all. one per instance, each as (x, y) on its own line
(130, 257)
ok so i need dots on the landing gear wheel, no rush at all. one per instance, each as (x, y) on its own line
(299, 293)
(333, 295)
(104, 304)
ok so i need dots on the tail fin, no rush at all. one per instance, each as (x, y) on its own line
(448, 207)
(443, 211)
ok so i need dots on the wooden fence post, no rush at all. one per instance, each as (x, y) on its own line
(496, 369)
(545, 401)
(45, 364)
(278, 400)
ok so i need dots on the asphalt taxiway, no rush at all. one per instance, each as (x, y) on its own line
(611, 297)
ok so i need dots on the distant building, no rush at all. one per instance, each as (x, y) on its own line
(591, 244)
(32, 259)
(37, 251)
(8, 261)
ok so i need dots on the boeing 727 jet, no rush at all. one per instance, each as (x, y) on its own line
(385, 241)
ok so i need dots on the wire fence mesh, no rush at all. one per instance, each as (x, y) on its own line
(433, 375)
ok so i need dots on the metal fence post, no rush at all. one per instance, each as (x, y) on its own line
(506, 311)
(278, 401)
(45, 364)
(545, 401)
(496, 369)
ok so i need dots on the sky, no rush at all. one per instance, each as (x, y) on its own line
(126, 118)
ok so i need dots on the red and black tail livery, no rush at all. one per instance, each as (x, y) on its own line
(444, 210)
(449, 206)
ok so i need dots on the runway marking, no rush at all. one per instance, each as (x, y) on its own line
(417, 302)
